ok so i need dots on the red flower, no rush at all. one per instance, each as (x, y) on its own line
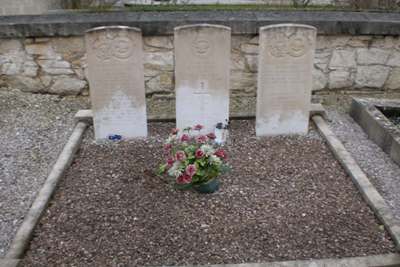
(175, 131)
(191, 170)
(199, 153)
(184, 179)
(180, 155)
(201, 139)
(185, 138)
(167, 147)
(221, 153)
(198, 127)
(211, 136)
(170, 162)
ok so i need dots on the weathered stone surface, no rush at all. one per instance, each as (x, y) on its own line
(371, 76)
(394, 59)
(116, 77)
(343, 58)
(359, 41)
(26, 84)
(249, 49)
(159, 60)
(372, 56)
(321, 60)
(238, 62)
(42, 51)
(30, 69)
(158, 43)
(56, 67)
(10, 45)
(245, 82)
(331, 42)
(340, 79)
(393, 81)
(285, 79)
(252, 62)
(159, 83)
(202, 58)
(66, 85)
(320, 80)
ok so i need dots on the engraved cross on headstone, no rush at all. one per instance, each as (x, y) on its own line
(203, 95)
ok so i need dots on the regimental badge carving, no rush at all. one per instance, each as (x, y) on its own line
(295, 44)
(201, 46)
(113, 45)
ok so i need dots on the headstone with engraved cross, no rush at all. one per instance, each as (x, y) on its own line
(202, 69)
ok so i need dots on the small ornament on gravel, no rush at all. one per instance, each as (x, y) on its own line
(194, 160)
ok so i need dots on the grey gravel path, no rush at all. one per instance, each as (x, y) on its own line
(381, 170)
(33, 130)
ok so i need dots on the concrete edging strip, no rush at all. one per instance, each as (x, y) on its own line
(385, 260)
(22, 238)
(368, 191)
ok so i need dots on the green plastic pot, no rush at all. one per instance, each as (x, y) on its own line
(207, 188)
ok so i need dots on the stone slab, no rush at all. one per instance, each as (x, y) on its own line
(163, 23)
(285, 79)
(116, 79)
(202, 70)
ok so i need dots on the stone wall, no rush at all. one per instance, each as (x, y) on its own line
(22, 7)
(57, 66)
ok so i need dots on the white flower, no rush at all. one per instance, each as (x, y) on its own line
(208, 150)
(175, 170)
(215, 159)
(171, 139)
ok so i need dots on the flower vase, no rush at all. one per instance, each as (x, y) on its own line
(209, 187)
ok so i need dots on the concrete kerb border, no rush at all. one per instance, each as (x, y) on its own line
(368, 191)
(360, 179)
(24, 233)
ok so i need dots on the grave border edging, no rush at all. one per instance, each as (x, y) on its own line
(360, 179)
(376, 125)
(370, 194)
(22, 238)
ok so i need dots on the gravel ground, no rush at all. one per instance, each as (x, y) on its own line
(286, 198)
(382, 171)
(33, 131)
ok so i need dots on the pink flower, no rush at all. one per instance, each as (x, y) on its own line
(211, 136)
(201, 139)
(167, 147)
(175, 131)
(185, 138)
(184, 179)
(198, 127)
(221, 153)
(170, 162)
(191, 170)
(180, 155)
(199, 153)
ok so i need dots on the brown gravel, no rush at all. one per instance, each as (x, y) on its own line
(286, 198)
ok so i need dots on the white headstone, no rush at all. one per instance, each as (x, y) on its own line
(202, 70)
(285, 79)
(116, 79)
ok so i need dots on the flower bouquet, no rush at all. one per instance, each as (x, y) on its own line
(194, 160)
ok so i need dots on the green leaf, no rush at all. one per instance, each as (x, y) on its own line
(162, 169)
